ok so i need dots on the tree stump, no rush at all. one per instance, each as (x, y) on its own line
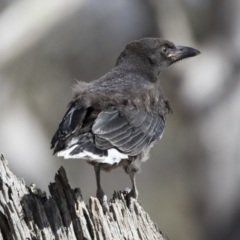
(26, 213)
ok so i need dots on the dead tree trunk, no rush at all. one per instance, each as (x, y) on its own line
(26, 213)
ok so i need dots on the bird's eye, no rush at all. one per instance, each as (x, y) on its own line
(164, 49)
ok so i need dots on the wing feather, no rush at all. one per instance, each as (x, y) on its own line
(71, 121)
(130, 131)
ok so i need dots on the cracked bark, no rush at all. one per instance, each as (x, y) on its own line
(26, 213)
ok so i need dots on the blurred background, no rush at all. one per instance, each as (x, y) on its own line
(190, 185)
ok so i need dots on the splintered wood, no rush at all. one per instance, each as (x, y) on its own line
(27, 214)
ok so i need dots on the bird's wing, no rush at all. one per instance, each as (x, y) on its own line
(130, 131)
(71, 121)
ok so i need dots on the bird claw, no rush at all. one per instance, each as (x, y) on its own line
(105, 204)
(126, 190)
(102, 197)
(130, 202)
(131, 198)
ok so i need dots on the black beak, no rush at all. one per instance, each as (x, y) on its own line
(181, 52)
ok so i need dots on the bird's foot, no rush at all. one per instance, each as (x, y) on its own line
(102, 197)
(131, 197)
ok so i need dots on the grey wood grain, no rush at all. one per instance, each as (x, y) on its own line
(26, 213)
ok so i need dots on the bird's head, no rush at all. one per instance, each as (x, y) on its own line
(154, 54)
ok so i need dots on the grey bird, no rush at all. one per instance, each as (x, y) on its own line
(115, 120)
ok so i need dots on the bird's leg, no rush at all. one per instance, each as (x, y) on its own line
(134, 191)
(102, 197)
(132, 194)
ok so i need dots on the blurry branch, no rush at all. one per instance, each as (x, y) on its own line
(26, 213)
(26, 22)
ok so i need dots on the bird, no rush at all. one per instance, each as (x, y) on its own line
(115, 120)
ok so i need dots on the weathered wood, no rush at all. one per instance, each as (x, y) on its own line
(26, 213)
